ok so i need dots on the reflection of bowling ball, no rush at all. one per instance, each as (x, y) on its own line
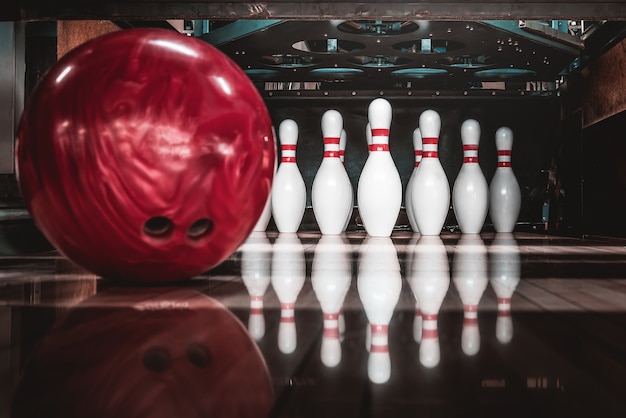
(146, 353)
(145, 155)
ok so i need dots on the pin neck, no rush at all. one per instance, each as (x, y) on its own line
(429, 147)
(331, 147)
(418, 157)
(504, 158)
(288, 153)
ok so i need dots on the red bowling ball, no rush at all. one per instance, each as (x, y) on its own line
(145, 155)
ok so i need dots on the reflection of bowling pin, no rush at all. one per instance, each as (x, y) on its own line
(429, 280)
(504, 264)
(379, 284)
(288, 189)
(331, 273)
(288, 275)
(417, 320)
(256, 254)
(408, 203)
(469, 274)
(379, 191)
(343, 139)
(431, 193)
(470, 194)
(332, 189)
(505, 196)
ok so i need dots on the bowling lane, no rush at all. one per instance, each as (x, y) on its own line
(498, 324)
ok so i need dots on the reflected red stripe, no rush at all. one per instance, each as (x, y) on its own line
(379, 147)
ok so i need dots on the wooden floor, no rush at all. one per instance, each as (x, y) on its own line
(547, 336)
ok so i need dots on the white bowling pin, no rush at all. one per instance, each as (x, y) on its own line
(431, 193)
(505, 196)
(288, 189)
(332, 190)
(504, 264)
(429, 279)
(331, 274)
(264, 219)
(408, 203)
(288, 275)
(379, 284)
(469, 274)
(343, 139)
(470, 194)
(256, 256)
(379, 191)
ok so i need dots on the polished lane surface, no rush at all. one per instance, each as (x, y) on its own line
(350, 326)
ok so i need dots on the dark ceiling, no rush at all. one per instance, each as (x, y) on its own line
(402, 57)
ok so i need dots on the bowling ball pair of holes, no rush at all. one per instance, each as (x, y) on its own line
(158, 359)
(162, 227)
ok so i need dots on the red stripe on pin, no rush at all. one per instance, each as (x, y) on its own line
(331, 140)
(504, 300)
(331, 154)
(288, 147)
(430, 141)
(470, 160)
(380, 329)
(331, 317)
(470, 308)
(379, 147)
(288, 160)
(504, 312)
(504, 164)
(470, 147)
(417, 163)
(331, 333)
(470, 321)
(429, 317)
(379, 348)
(380, 132)
(256, 311)
(430, 154)
(430, 334)
(504, 152)
(418, 153)
(288, 319)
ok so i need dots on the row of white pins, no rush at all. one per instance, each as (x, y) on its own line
(379, 192)
(474, 266)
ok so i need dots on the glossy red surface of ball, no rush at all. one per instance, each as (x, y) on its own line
(145, 155)
(151, 352)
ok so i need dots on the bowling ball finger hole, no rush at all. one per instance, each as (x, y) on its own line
(157, 359)
(199, 355)
(200, 228)
(158, 227)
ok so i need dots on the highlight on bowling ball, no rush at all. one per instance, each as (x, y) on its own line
(145, 155)
(145, 352)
